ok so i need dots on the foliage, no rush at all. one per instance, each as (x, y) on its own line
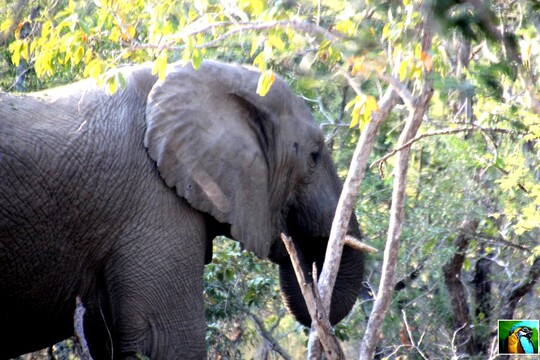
(341, 56)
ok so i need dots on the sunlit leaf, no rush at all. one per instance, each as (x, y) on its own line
(196, 59)
(403, 69)
(386, 31)
(266, 80)
(276, 42)
(78, 55)
(112, 85)
(260, 62)
(6, 25)
(15, 49)
(370, 107)
(160, 65)
(255, 44)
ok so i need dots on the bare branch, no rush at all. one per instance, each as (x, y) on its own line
(474, 127)
(319, 316)
(240, 27)
(350, 81)
(78, 327)
(517, 293)
(497, 240)
(394, 83)
(386, 285)
(399, 88)
(268, 338)
(411, 338)
(348, 196)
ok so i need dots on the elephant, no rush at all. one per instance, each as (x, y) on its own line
(116, 199)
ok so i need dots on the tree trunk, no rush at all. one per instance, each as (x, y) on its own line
(483, 308)
(457, 293)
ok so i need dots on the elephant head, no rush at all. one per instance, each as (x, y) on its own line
(257, 164)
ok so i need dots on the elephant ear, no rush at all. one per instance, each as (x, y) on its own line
(205, 130)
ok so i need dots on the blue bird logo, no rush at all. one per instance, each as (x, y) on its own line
(519, 340)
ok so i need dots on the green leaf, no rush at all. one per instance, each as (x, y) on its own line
(112, 85)
(196, 59)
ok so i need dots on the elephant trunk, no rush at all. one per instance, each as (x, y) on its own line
(348, 283)
(309, 222)
(346, 290)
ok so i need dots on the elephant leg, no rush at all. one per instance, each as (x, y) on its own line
(156, 301)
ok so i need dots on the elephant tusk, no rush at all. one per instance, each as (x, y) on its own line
(358, 245)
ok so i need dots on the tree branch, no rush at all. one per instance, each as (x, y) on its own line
(239, 27)
(386, 285)
(78, 326)
(319, 316)
(474, 127)
(508, 308)
(268, 338)
(410, 336)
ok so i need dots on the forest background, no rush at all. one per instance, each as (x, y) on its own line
(463, 74)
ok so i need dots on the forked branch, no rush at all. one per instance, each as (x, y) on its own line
(319, 317)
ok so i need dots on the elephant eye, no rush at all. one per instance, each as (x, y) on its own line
(314, 158)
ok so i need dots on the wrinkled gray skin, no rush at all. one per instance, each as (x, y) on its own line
(117, 200)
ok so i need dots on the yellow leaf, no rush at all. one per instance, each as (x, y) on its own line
(358, 105)
(88, 55)
(131, 31)
(260, 61)
(6, 24)
(386, 31)
(112, 85)
(257, 7)
(24, 50)
(403, 69)
(77, 56)
(351, 103)
(43, 64)
(357, 64)
(94, 69)
(266, 80)
(15, 49)
(255, 43)
(160, 65)
(371, 103)
(276, 42)
(355, 115)
(115, 34)
(33, 45)
(47, 28)
(370, 106)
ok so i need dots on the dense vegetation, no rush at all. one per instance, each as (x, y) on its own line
(470, 239)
